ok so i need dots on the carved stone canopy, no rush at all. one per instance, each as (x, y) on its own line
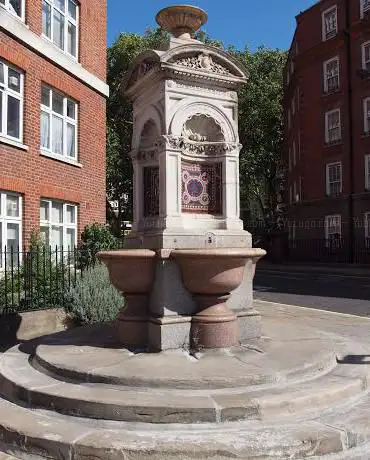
(190, 61)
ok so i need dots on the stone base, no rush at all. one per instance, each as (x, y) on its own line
(301, 394)
(190, 239)
(171, 332)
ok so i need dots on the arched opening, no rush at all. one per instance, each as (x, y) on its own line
(202, 128)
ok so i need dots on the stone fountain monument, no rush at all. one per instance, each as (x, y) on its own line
(185, 154)
(187, 371)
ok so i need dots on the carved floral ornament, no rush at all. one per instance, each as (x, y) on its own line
(202, 62)
(187, 147)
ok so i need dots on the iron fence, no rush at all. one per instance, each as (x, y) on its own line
(41, 278)
(333, 251)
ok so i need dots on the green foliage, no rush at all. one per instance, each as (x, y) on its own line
(95, 237)
(94, 299)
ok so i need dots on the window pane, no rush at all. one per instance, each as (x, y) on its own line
(71, 214)
(12, 236)
(15, 7)
(71, 39)
(56, 237)
(45, 130)
(58, 29)
(59, 4)
(14, 80)
(57, 102)
(44, 234)
(13, 117)
(72, 9)
(71, 109)
(1, 72)
(57, 212)
(71, 238)
(44, 210)
(71, 148)
(57, 135)
(12, 206)
(45, 96)
(46, 19)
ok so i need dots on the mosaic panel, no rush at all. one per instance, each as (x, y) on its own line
(151, 191)
(201, 187)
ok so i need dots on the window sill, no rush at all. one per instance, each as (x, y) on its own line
(333, 143)
(13, 143)
(19, 18)
(329, 92)
(60, 158)
(60, 50)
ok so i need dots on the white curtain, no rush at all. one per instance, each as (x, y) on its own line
(45, 130)
(71, 140)
(57, 136)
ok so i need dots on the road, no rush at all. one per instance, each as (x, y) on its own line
(327, 291)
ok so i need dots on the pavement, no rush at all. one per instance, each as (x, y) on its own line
(342, 289)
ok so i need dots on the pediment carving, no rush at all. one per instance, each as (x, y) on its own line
(202, 61)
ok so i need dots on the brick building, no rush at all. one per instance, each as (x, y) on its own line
(52, 119)
(327, 122)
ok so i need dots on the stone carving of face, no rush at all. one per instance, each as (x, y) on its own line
(205, 61)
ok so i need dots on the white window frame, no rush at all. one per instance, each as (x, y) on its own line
(66, 120)
(4, 220)
(6, 92)
(327, 77)
(364, 6)
(327, 116)
(365, 63)
(337, 218)
(8, 7)
(367, 229)
(328, 183)
(367, 172)
(49, 223)
(67, 19)
(326, 36)
(366, 112)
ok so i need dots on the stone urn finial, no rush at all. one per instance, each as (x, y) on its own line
(182, 21)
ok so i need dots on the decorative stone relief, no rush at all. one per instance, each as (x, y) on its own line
(151, 191)
(202, 62)
(201, 187)
(203, 88)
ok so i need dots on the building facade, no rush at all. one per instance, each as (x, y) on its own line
(52, 119)
(327, 123)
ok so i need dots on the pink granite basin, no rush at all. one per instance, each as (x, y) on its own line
(214, 271)
(130, 270)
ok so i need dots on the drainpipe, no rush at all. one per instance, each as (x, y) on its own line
(351, 233)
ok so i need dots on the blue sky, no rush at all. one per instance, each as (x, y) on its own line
(239, 22)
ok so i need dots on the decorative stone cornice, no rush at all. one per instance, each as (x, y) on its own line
(198, 148)
(202, 62)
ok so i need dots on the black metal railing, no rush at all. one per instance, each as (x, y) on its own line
(328, 251)
(40, 278)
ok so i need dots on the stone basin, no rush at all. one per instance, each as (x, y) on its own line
(131, 272)
(210, 275)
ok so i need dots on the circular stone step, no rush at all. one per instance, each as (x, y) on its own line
(281, 397)
(79, 356)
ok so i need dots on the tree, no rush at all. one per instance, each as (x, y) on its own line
(261, 132)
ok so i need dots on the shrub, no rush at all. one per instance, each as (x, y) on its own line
(95, 238)
(94, 299)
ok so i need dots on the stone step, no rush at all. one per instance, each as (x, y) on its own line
(21, 381)
(43, 434)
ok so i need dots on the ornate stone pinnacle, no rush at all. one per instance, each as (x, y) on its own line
(182, 21)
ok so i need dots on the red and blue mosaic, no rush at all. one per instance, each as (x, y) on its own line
(201, 187)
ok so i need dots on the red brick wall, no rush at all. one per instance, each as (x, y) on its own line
(92, 32)
(310, 120)
(37, 176)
